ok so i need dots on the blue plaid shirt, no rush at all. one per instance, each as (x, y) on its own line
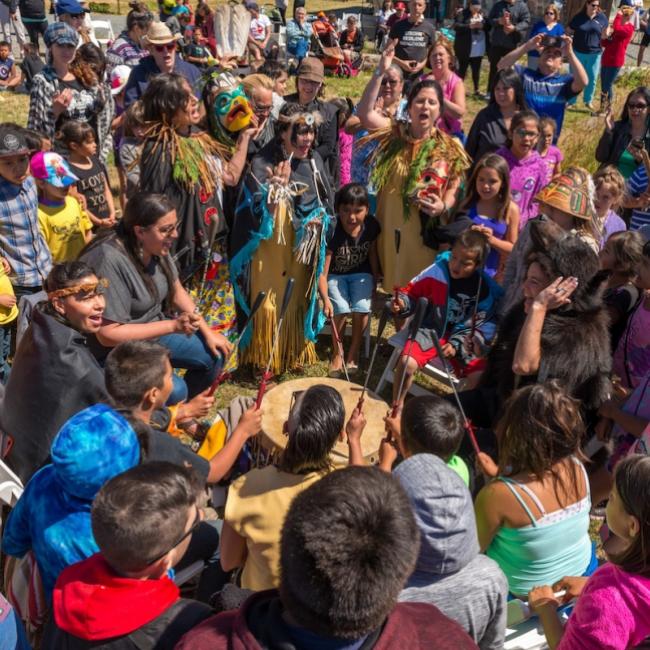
(21, 240)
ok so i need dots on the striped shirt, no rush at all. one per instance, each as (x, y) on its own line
(21, 240)
(637, 184)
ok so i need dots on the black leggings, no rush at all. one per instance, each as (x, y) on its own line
(33, 30)
(475, 64)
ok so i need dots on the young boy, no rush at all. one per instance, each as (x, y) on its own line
(428, 425)
(25, 254)
(349, 542)
(453, 285)
(66, 228)
(10, 75)
(122, 597)
(196, 52)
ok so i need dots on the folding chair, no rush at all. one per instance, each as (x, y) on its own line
(103, 32)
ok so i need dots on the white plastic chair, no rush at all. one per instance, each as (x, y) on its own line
(11, 487)
(103, 32)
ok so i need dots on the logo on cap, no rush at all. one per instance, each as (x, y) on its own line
(11, 142)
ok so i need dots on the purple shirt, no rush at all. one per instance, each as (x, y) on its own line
(527, 177)
(552, 158)
(613, 223)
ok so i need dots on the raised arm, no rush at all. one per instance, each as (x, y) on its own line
(511, 58)
(370, 117)
(580, 79)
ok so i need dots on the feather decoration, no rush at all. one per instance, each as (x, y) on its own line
(221, 27)
(239, 29)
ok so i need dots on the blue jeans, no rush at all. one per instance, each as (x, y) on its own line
(607, 78)
(299, 49)
(5, 347)
(350, 293)
(591, 64)
(191, 353)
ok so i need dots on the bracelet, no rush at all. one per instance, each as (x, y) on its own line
(377, 73)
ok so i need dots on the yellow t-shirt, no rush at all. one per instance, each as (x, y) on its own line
(256, 507)
(64, 228)
(7, 314)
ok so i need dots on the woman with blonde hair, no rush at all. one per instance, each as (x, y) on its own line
(550, 25)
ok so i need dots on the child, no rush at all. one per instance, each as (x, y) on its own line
(196, 51)
(348, 545)
(551, 154)
(130, 145)
(79, 139)
(429, 425)
(450, 284)
(528, 171)
(10, 75)
(638, 198)
(64, 225)
(610, 189)
(489, 205)
(25, 254)
(123, 596)
(621, 257)
(350, 271)
(345, 140)
(612, 608)
(632, 356)
(31, 64)
(277, 71)
(8, 314)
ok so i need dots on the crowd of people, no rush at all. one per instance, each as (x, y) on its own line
(253, 208)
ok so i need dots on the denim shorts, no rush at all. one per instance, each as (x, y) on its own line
(350, 293)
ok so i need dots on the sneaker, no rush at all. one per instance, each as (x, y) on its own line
(590, 107)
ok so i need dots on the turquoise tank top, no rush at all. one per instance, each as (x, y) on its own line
(541, 554)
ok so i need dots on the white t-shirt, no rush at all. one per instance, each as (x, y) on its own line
(258, 27)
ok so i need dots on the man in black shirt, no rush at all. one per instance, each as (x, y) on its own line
(412, 39)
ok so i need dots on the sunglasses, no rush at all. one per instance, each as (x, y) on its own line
(389, 82)
(522, 133)
(550, 13)
(185, 535)
(78, 16)
(634, 106)
(169, 47)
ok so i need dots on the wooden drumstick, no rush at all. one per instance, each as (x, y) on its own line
(339, 345)
(414, 326)
(222, 376)
(383, 319)
(398, 244)
(288, 290)
(469, 427)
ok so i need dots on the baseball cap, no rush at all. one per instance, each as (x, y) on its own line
(400, 5)
(311, 69)
(252, 5)
(12, 141)
(69, 7)
(475, 2)
(52, 168)
(119, 78)
(551, 42)
(60, 34)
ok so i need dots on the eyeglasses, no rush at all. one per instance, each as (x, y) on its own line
(185, 535)
(169, 47)
(522, 133)
(594, 4)
(635, 106)
(550, 13)
(166, 231)
(390, 82)
(77, 16)
(261, 108)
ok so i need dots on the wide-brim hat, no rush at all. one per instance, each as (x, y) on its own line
(311, 69)
(159, 34)
(571, 191)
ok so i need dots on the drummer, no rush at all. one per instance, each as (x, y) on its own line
(258, 501)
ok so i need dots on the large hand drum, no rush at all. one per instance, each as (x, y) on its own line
(277, 402)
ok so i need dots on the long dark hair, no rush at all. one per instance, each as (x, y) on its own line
(142, 210)
(642, 91)
(318, 418)
(510, 79)
(165, 94)
(500, 166)
(632, 480)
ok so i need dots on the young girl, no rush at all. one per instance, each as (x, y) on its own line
(632, 356)
(528, 171)
(492, 210)
(345, 139)
(130, 144)
(350, 272)
(613, 609)
(79, 140)
(552, 156)
(610, 189)
(621, 257)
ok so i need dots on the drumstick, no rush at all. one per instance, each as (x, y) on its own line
(414, 326)
(339, 345)
(288, 290)
(383, 319)
(398, 244)
(469, 427)
(221, 377)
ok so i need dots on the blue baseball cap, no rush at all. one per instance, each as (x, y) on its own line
(60, 34)
(69, 7)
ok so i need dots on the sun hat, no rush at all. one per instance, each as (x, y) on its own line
(119, 78)
(571, 191)
(53, 168)
(311, 69)
(60, 34)
(159, 34)
(69, 7)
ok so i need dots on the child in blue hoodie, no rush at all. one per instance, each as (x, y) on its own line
(52, 517)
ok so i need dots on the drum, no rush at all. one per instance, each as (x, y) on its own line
(276, 405)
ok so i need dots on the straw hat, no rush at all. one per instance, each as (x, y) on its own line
(160, 34)
(571, 191)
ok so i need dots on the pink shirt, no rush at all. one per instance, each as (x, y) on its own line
(449, 124)
(612, 613)
(345, 156)
(632, 356)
